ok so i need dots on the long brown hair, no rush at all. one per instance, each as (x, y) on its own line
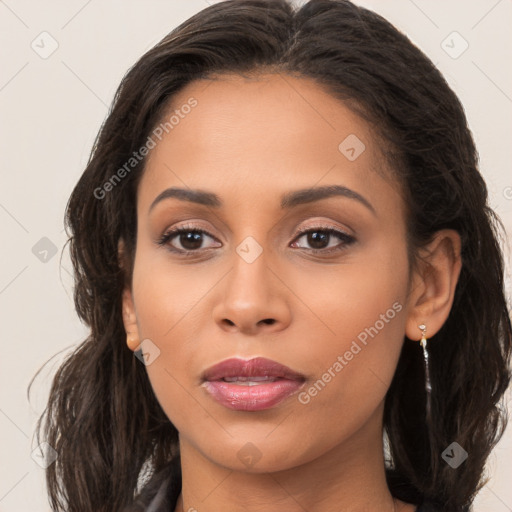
(102, 416)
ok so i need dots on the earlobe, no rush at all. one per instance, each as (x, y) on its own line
(432, 297)
(130, 321)
(129, 316)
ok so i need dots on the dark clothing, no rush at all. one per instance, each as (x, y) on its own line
(164, 496)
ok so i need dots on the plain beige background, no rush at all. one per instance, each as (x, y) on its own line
(61, 62)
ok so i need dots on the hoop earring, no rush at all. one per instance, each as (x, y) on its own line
(428, 385)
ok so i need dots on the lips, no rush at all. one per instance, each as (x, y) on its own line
(251, 385)
(259, 367)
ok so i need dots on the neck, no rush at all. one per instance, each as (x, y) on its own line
(347, 477)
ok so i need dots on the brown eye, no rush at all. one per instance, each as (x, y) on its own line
(183, 240)
(319, 239)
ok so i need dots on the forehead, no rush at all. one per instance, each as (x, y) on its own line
(259, 135)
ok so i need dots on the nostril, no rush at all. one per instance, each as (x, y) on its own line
(269, 321)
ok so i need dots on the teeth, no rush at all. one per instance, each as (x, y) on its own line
(249, 381)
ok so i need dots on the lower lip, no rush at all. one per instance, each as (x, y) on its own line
(251, 398)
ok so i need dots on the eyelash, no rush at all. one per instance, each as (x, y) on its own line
(346, 239)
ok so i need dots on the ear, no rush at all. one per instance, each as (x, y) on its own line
(128, 305)
(433, 284)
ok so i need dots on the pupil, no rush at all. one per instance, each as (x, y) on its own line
(318, 239)
(191, 240)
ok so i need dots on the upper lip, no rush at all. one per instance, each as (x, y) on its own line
(256, 367)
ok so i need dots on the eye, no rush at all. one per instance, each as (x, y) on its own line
(320, 239)
(185, 239)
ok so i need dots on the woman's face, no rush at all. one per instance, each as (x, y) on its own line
(329, 305)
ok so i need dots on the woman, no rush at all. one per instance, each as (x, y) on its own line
(284, 251)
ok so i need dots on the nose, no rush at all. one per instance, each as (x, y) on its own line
(253, 299)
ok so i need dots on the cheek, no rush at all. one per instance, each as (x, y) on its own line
(359, 299)
(360, 321)
(167, 295)
(170, 313)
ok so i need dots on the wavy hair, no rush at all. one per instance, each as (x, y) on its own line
(102, 416)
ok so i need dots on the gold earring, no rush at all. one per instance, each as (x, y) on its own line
(428, 385)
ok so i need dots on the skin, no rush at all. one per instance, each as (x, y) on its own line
(250, 140)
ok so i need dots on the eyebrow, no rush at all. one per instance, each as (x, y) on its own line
(288, 200)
